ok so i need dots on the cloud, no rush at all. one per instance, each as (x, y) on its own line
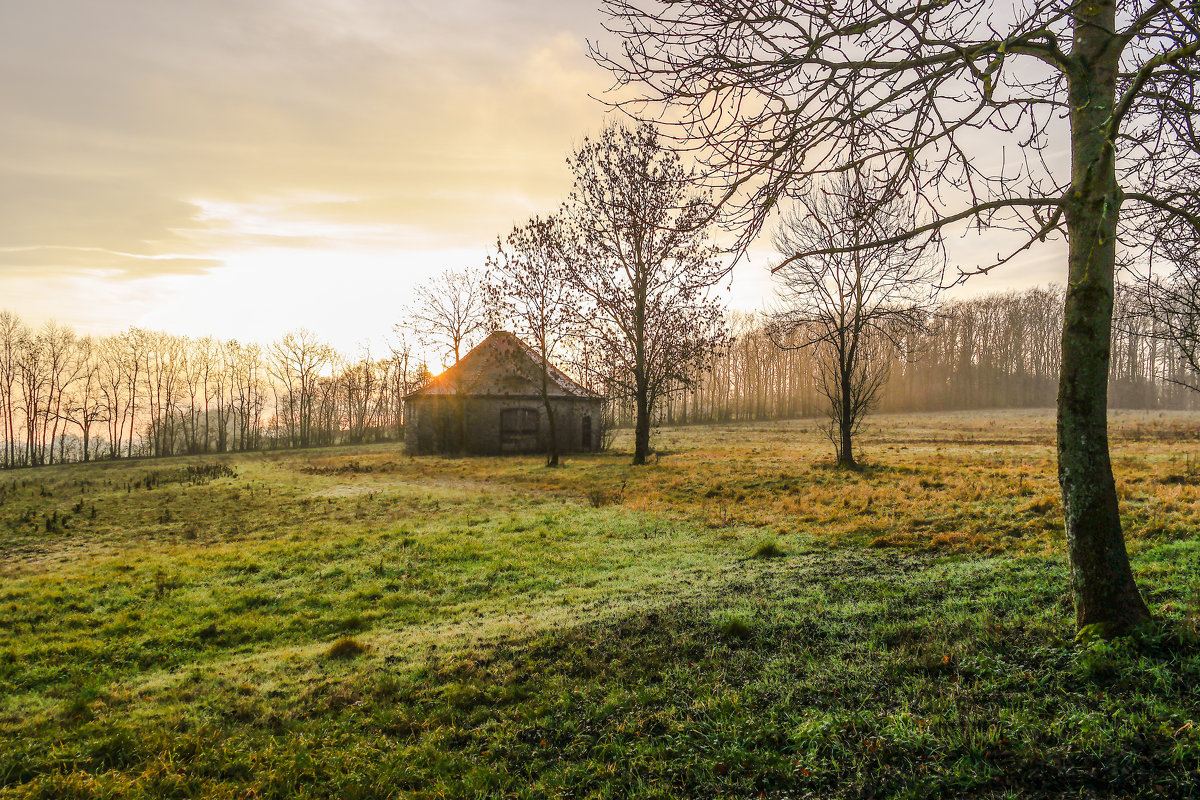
(111, 213)
(123, 125)
(95, 261)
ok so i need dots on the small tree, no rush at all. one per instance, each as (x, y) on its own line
(530, 290)
(450, 313)
(856, 307)
(642, 265)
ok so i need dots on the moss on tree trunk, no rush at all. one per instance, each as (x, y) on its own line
(1106, 596)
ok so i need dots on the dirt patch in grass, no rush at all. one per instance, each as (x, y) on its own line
(346, 490)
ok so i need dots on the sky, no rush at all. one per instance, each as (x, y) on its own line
(240, 169)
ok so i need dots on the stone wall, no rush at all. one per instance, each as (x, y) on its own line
(450, 424)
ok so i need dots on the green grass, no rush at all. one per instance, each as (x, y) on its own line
(738, 619)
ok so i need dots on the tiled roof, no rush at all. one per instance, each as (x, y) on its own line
(502, 365)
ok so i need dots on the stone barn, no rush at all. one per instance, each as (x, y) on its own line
(490, 403)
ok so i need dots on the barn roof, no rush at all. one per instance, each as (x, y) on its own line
(502, 365)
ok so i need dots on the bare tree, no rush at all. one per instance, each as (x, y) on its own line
(85, 406)
(773, 94)
(407, 374)
(449, 312)
(529, 286)
(34, 378)
(642, 264)
(1171, 300)
(62, 369)
(247, 398)
(12, 333)
(856, 307)
(204, 364)
(360, 385)
(164, 362)
(297, 361)
(115, 387)
(135, 342)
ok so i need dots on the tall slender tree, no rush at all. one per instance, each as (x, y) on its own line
(12, 333)
(85, 404)
(642, 263)
(529, 285)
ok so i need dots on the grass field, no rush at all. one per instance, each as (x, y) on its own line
(737, 619)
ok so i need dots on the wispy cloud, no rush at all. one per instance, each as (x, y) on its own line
(97, 262)
(158, 138)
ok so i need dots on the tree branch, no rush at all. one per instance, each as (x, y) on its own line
(976, 210)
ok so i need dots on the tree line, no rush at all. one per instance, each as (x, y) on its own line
(67, 397)
(998, 350)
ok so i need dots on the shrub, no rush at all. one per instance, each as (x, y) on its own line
(736, 628)
(769, 549)
(346, 647)
(54, 523)
(388, 687)
(192, 475)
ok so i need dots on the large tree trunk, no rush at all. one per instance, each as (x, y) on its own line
(1105, 593)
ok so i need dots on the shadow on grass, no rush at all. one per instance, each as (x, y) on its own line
(829, 675)
(869, 696)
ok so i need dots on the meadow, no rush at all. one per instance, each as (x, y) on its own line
(736, 619)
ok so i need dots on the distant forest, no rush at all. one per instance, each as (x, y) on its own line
(65, 397)
(999, 350)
